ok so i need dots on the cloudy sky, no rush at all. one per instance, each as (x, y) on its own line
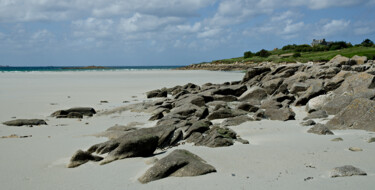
(169, 32)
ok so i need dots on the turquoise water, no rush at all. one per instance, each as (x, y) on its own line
(28, 69)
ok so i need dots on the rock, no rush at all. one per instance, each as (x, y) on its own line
(270, 103)
(129, 145)
(228, 98)
(254, 95)
(190, 99)
(371, 140)
(251, 73)
(272, 85)
(191, 87)
(337, 80)
(355, 149)
(199, 126)
(320, 129)
(282, 97)
(338, 60)
(81, 157)
(359, 114)
(21, 122)
(315, 89)
(225, 113)
(359, 59)
(318, 102)
(84, 111)
(243, 141)
(234, 121)
(282, 114)
(157, 94)
(337, 139)
(346, 170)
(156, 116)
(299, 87)
(247, 107)
(308, 123)
(316, 115)
(234, 90)
(150, 161)
(178, 163)
(189, 110)
(215, 137)
(74, 115)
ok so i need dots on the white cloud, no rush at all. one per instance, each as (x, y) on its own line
(146, 23)
(41, 36)
(331, 28)
(93, 28)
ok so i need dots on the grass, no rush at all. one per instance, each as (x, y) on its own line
(321, 56)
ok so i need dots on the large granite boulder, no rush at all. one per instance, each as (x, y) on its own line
(234, 121)
(315, 89)
(254, 95)
(272, 85)
(359, 59)
(316, 115)
(347, 170)
(247, 107)
(188, 110)
(21, 122)
(223, 113)
(81, 157)
(338, 60)
(199, 126)
(178, 163)
(74, 112)
(190, 99)
(359, 114)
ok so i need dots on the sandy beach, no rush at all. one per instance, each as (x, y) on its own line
(281, 154)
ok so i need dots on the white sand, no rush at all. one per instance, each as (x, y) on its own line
(280, 154)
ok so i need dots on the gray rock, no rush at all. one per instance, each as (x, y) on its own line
(359, 60)
(228, 98)
(156, 116)
(337, 139)
(234, 90)
(315, 89)
(199, 126)
(81, 157)
(320, 129)
(270, 103)
(247, 107)
(253, 72)
(346, 170)
(359, 114)
(299, 87)
(308, 123)
(189, 110)
(272, 85)
(234, 121)
(157, 93)
(282, 114)
(338, 60)
(316, 115)
(190, 99)
(215, 137)
(85, 111)
(254, 95)
(225, 113)
(21, 122)
(178, 163)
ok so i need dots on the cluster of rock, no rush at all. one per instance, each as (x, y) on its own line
(343, 87)
(218, 66)
(77, 112)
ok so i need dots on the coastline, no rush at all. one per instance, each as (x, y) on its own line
(280, 154)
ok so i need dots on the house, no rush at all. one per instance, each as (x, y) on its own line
(320, 42)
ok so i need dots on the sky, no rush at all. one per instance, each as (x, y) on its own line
(169, 32)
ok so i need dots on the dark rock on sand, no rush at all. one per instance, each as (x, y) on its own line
(282, 114)
(320, 129)
(199, 126)
(81, 157)
(247, 107)
(21, 122)
(253, 72)
(225, 113)
(234, 90)
(215, 137)
(157, 93)
(359, 114)
(234, 121)
(346, 170)
(316, 115)
(178, 163)
(74, 112)
(308, 123)
(254, 95)
(129, 145)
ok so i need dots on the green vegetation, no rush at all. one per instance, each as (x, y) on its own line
(305, 53)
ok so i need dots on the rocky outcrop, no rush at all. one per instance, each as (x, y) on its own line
(178, 163)
(157, 93)
(22, 122)
(282, 114)
(320, 129)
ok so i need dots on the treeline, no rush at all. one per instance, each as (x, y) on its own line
(307, 48)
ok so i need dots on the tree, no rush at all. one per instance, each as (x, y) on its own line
(248, 54)
(297, 54)
(367, 43)
(263, 53)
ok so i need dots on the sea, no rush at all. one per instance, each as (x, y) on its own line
(69, 68)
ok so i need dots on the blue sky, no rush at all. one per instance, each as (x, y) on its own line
(169, 32)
